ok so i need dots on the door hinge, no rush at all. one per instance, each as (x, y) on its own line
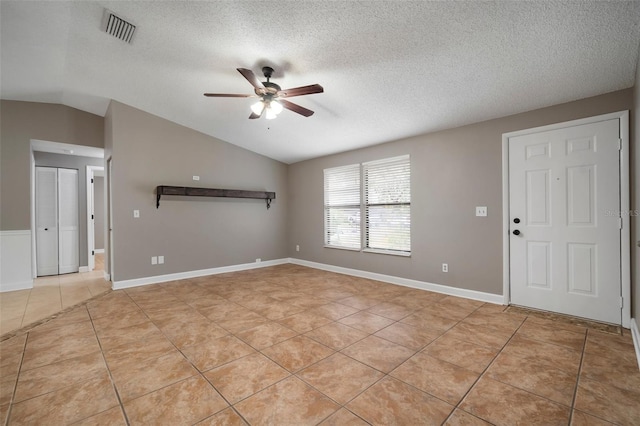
(619, 144)
(620, 223)
(91, 216)
(93, 253)
(92, 178)
(621, 302)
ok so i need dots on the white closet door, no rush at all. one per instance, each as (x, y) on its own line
(68, 245)
(47, 220)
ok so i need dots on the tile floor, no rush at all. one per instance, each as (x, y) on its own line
(50, 295)
(289, 345)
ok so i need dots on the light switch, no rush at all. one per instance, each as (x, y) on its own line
(196, 178)
(154, 260)
(136, 214)
(481, 211)
(160, 260)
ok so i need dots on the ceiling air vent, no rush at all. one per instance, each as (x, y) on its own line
(117, 27)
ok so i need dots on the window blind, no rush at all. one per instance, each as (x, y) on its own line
(342, 206)
(387, 191)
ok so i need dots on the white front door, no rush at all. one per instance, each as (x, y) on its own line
(68, 239)
(564, 204)
(47, 221)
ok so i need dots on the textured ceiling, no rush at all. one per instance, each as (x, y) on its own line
(389, 69)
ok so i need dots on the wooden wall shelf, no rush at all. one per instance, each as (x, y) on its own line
(212, 192)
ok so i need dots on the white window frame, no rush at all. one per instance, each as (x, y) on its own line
(364, 219)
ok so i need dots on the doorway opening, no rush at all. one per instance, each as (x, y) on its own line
(69, 157)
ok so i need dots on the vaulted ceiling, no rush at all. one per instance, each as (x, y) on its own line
(390, 69)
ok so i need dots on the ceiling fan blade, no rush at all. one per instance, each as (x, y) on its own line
(227, 95)
(253, 116)
(251, 78)
(296, 108)
(299, 91)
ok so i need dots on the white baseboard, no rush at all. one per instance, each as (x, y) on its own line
(635, 334)
(83, 269)
(117, 285)
(107, 277)
(98, 250)
(438, 288)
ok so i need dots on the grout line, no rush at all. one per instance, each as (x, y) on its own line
(15, 387)
(575, 389)
(482, 374)
(113, 383)
(26, 304)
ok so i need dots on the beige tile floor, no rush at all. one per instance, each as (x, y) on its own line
(289, 345)
(50, 295)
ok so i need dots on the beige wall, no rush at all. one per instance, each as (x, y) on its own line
(19, 123)
(452, 172)
(192, 233)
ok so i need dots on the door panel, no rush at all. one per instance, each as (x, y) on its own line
(69, 259)
(567, 256)
(46, 221)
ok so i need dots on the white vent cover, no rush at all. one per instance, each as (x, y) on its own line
(117, 26)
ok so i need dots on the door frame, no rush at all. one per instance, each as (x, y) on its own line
(109, 263)
(625, 194)
(91, 239)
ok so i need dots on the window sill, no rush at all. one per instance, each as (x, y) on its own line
(342, 248)
(376, 251)
(389, 252)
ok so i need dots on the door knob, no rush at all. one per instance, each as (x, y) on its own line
(516, 220)
(46, 229)
(516, 232)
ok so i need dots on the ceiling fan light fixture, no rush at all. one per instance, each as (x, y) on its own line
(276, 107)
(258, 107)
(270, 114)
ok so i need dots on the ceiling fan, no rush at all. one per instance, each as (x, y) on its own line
(271, 95)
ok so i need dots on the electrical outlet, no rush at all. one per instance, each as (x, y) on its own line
(196, 178)
(136, 214)
(160, 260)
(154, 260)
(481, 211)
(258, 260)
(297, 247)
(445, 267)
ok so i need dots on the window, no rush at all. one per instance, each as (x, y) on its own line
(387, 191)
(342, 207)
(382, 196)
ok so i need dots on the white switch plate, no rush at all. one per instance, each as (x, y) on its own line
(160, 260)
(445, 267)
(481, 211)
(154, 260)
(297, 248)
(196, 178)
(258, 260)
(136, 214)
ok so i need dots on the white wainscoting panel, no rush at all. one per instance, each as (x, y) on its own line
(15, 260)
